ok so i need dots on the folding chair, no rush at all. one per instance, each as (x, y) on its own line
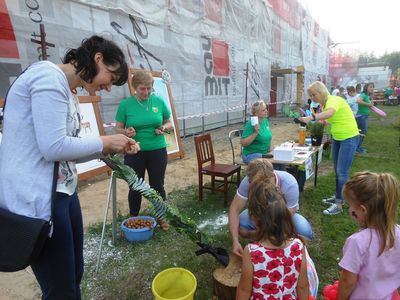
(234, 138)
(205, 154)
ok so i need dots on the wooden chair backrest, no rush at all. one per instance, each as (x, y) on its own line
(204, 149)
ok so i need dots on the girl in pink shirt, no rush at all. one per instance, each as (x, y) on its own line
(371, 256)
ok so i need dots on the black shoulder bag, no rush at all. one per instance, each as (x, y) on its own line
(22, 238)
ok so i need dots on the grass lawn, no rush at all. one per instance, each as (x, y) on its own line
(127, 270)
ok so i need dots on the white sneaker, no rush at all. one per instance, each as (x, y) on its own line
(333, 210)
(329, 200)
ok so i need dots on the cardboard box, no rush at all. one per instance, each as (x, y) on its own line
(283, 153)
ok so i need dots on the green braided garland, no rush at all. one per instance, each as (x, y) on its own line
(158, 208)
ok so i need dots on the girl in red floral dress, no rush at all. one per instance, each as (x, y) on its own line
(275, 266)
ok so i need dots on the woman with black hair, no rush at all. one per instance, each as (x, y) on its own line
(41, 127)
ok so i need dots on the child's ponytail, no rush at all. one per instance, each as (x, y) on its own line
(389, 186)
(380, 193)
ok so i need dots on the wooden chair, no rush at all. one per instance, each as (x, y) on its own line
(205, 154)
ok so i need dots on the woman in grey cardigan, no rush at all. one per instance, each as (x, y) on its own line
(41, 126)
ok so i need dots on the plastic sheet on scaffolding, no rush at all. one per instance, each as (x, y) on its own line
(204, 45)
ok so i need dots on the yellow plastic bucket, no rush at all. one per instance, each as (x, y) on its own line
(174, 284)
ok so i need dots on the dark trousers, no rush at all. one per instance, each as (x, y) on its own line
(155, 162)
(362, 124)
(59, 268)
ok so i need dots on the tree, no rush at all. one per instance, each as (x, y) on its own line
(392, 59)
(366, 58)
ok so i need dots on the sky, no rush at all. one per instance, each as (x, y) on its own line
(373, 25)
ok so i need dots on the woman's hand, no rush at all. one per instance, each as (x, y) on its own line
(160, 130)
(306, 119)
(237, 249)
(130, 132)
(248, 140)
(119, 143)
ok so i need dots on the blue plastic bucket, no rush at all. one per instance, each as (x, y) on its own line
(141, 234)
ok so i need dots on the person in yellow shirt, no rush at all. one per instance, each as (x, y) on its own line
(345, 136)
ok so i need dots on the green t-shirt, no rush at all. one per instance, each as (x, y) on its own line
(388, 92)
(262, 142)
(343, 123)
(362, 109)
(144, 117)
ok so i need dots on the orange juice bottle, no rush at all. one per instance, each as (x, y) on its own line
(302, 135)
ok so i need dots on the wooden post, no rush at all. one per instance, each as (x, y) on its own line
(300, 82)
(43, 44)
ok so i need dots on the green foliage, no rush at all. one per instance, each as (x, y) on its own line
(294, 114)
(315, 128)
(392, 59)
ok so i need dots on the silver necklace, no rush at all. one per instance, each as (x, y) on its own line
(142, 105)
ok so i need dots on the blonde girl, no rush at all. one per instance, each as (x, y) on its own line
(371, 256)
(275, 265)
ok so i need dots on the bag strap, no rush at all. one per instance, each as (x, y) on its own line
(56, 164)
(54, 189)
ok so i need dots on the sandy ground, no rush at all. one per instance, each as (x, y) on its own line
(92, 193)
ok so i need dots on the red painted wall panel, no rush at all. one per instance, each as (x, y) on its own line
(8, 44)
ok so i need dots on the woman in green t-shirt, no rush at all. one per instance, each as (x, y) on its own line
(257, 134)
(145, 117)
(345, 138)
(364, 107)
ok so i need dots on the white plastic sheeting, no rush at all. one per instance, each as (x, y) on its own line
(204, 44)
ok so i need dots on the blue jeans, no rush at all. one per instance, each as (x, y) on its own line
(362, 124)
(342, 156)
(249, 157)
(301, 224)
(59, 268)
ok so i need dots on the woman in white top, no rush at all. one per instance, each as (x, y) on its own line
(41, 126)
